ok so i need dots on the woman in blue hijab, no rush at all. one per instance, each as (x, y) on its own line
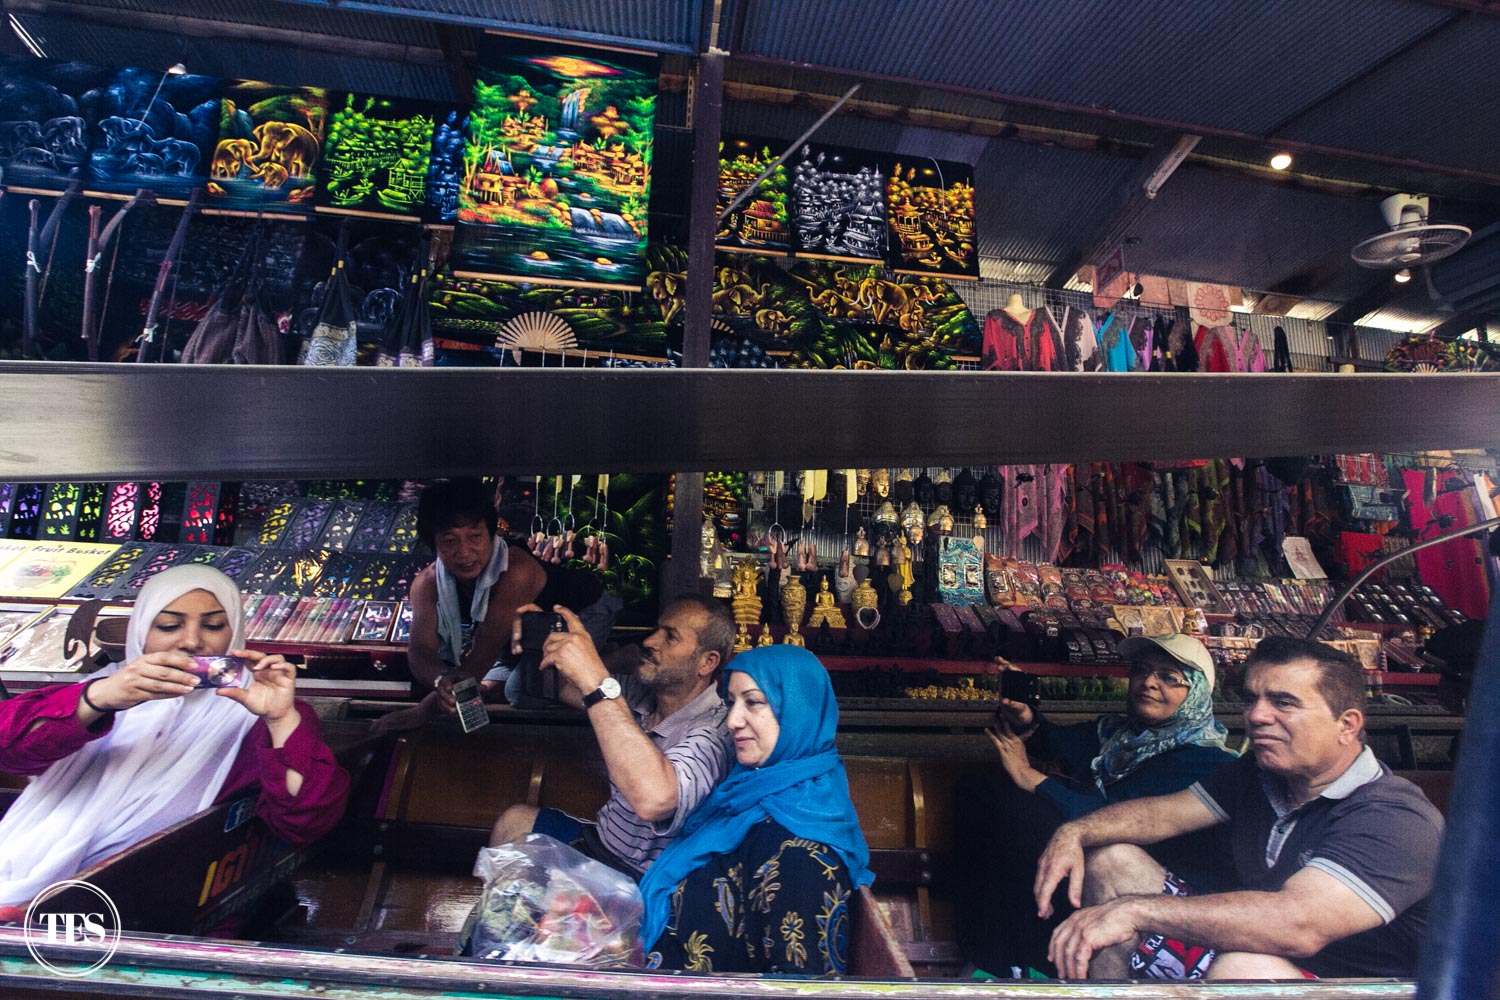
(760, 879)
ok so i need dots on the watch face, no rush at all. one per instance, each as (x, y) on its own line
(609, 687)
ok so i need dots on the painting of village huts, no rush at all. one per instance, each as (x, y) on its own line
(930, 207)
(375, 156)
(557, 167)
(759, 223)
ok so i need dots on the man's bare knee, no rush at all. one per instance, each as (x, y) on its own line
(514, 823)
(1119, 870)
(1247, 965)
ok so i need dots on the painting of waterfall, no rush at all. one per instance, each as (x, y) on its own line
(557, 168)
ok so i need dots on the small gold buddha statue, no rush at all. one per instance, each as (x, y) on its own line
(825, 609)
(765, 636)
(746, 603)
(793, 600)
(793, 637)
(742, 639)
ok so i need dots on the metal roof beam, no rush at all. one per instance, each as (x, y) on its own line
(198, 27)
(1136, 195)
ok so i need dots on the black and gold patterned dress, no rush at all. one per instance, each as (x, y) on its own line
(778, 903)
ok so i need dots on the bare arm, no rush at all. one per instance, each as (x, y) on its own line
(1309, 912)
(424, 650)
(516, 586)
(644, 777)
(1138, 821)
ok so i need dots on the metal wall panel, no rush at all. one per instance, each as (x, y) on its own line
(323, 19)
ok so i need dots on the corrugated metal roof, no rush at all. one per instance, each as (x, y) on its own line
(1232, 64)
(68, 39)
(1439, 102)
(320, 19)
(664, 25)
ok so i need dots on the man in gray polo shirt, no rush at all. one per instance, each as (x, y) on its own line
(661, 731)
(1330, 857)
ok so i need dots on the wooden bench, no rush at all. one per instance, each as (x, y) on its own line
(443, 791)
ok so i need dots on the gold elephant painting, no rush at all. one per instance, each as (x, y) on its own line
(270, 140)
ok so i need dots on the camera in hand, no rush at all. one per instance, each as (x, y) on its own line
(1021, 687)
(535, 627)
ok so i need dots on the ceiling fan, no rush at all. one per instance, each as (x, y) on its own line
(1411, 238)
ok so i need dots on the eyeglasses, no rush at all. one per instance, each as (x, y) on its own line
(1165, 677)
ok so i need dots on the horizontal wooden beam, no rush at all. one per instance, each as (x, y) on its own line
(118, 421)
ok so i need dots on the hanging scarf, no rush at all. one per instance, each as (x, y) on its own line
(1124, 745)
(159, 763)
(1281, 352)
(450, 616)
(802, 785)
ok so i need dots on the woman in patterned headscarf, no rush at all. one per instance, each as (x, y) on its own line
(760, 879)
(1166, 739)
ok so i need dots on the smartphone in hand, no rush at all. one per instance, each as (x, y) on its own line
(1021, 687)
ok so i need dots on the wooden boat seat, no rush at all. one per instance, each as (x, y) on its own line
(905, 808)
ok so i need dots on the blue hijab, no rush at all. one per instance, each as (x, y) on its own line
(1125, 744)
(802, 784)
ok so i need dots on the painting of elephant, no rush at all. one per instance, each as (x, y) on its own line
(289, 146)
(270, 142)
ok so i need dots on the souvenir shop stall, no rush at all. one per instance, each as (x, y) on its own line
(924, 380)
(173, 221)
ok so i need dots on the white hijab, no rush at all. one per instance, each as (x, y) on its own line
(161, 762)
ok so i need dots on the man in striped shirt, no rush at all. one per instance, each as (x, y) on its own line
(661, 731)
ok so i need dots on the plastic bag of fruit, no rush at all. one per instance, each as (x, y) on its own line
(543, 901)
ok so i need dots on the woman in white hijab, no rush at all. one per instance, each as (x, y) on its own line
(138, 747)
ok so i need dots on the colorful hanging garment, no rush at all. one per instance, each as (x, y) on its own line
(1080, 342)
(1010, 344)
(1114, 343)
(1142, 337)
(1180, 345)
(1233, 350)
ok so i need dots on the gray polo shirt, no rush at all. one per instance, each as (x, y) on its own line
(699, 748)
(1372, 831)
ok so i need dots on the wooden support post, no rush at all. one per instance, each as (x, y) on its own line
(681, 574)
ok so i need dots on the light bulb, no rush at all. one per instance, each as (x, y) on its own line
(1403, 276)
(1281, 161)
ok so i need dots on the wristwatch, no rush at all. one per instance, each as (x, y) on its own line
(608, 688)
